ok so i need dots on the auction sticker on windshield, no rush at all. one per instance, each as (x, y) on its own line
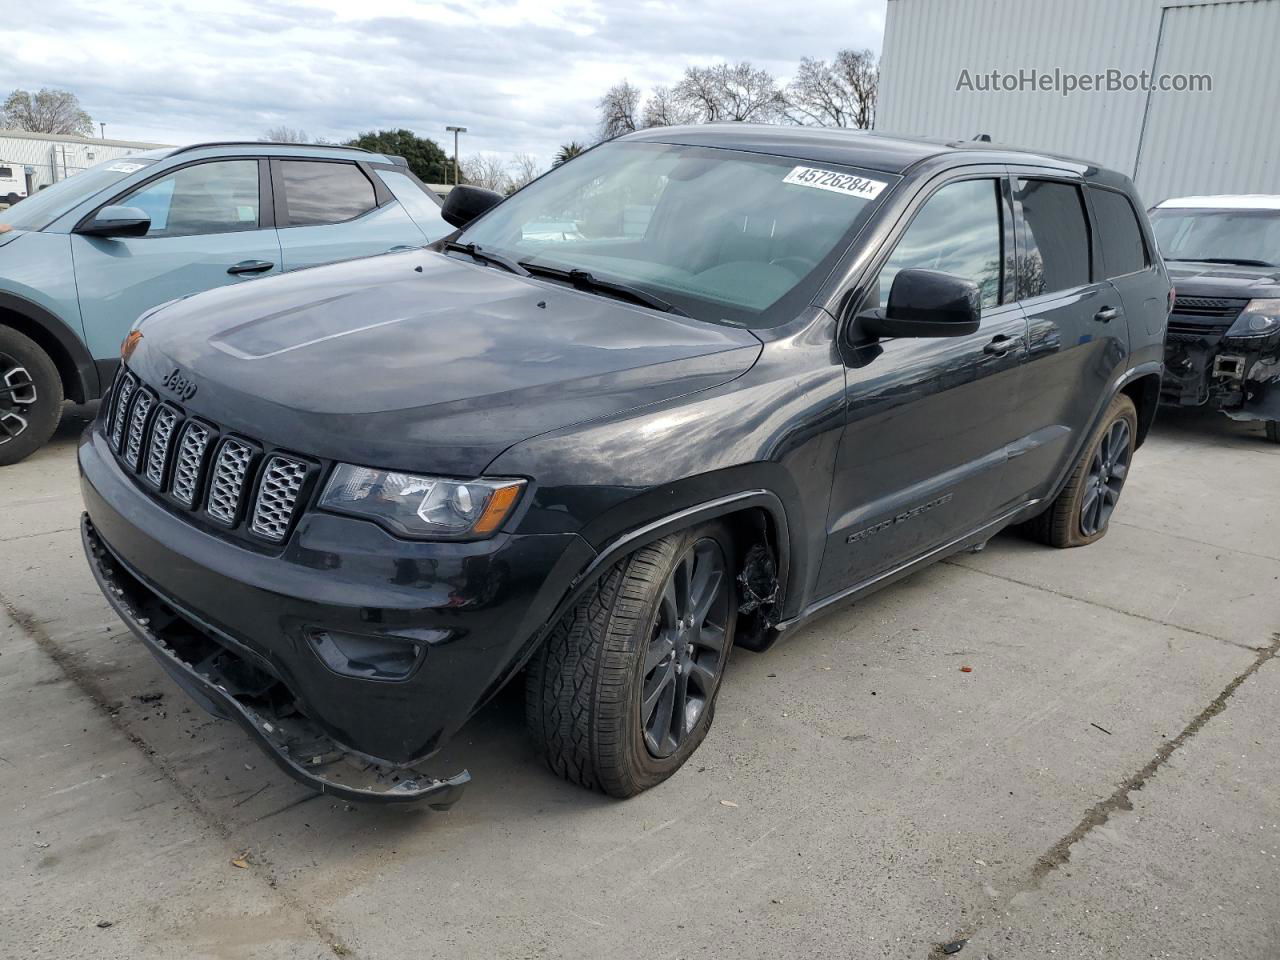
(846, 183)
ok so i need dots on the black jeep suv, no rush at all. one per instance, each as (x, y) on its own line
(680, 394)
(1223, 346)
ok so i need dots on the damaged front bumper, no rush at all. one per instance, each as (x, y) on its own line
(1238, 375)
(231, 687)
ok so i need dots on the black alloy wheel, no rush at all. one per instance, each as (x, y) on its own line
(684, 659)
(1107, 472)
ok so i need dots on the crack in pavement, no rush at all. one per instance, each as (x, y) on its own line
(88, 687)
(1096, 816)
(1203, 543)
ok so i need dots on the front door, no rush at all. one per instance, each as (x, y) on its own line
(928, 419)
(206, 230)
(1077, 326)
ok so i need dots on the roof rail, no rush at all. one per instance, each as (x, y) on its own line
(983, 137)
(264, 143)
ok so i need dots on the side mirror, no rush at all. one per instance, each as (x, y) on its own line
(926, 303)
(118, 222)
(466, 202)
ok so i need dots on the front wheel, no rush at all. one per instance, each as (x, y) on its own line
(30, 396)
(1081, 513)
(624, 689)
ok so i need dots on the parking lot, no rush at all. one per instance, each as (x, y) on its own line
(1100, 784)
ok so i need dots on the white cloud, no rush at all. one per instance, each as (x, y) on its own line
(522, 75)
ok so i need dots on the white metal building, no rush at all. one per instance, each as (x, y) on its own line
(46, 158)
(939, 55)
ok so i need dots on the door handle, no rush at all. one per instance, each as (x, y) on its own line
(1106, 314)
(1000, 345)
(250, 266)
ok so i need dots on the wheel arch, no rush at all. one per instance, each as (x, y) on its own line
(76, 368)
(1143, 388)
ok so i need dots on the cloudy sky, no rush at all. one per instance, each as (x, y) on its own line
(522, 75)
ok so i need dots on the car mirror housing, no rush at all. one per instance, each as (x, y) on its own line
(118, 221)
(926, 303)
(465, 202)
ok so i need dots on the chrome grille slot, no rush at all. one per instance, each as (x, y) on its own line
(138, 427)
(1208, 306)
(162, 431)
(124, 393)
(230, 468)
(190, 461)
(282, 480)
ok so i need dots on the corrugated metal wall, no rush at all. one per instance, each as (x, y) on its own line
(55, 160)
(928, 43)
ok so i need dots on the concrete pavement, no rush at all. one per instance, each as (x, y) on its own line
(1103, 783)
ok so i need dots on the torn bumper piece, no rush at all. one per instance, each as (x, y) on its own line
(230, 687)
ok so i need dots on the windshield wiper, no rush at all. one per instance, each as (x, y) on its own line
(486, 256)
(585, 280)
(1235, 261)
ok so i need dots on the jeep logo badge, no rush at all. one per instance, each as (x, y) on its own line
(182, 385)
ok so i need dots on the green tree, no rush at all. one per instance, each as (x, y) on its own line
(567, 151)
(427, 161)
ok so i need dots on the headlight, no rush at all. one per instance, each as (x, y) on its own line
(1259, 318)
(428, 507)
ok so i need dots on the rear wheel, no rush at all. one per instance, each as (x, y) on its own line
(624, 689)
(30, 397)
(1082, 512)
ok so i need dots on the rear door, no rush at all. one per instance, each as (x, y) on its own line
(1076, 324)
(331, 210)
(929, 420)
(211, 224)
(1127, 262)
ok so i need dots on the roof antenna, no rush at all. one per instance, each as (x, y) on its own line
(983, 137)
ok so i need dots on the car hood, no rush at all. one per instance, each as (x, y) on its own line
(421, 361)
(1194, 279)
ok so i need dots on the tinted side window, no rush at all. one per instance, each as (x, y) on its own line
(1055, 249)
(219, 197)
(1120, 236)
(957, 231)
(317, 191)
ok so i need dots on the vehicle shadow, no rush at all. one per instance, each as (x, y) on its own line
(1200, 424)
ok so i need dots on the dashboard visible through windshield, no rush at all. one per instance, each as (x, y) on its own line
(722, 235)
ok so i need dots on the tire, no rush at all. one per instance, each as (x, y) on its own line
(1273, 431)
(30, 397)
(1065, 523)
(586, 688)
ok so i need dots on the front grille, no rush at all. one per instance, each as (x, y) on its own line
(138, 427)
(190, 465)
(1208, 306)
(282, 480)
(124, 393)
(161, 440)
(230, 468)
(1183, 329)
(206, 473)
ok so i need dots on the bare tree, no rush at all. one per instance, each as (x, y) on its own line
(286, 135)
(842, 93)
(729, 91)
(487, 170)
(525, 169)
(48, 111)
(619, 110)
(663, 110)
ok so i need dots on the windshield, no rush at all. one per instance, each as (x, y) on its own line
(40, 209)
(724, 235)
(1243, 236)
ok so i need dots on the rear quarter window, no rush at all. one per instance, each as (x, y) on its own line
(1119, 234)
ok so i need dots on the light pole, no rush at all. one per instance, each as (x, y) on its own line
(102, 130)
(455, 131)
